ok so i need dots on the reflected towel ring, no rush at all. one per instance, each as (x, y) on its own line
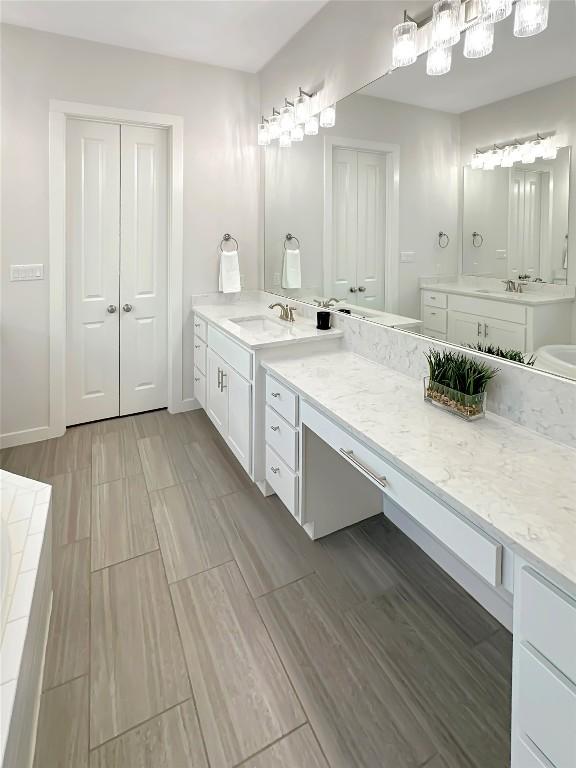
(226, 239)
(476, 236)
(443, 239)
(290, 237)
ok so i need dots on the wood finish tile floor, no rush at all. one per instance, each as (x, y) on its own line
(195, 625)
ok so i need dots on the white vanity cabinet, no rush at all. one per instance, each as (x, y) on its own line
(282, 437)
(228, 400)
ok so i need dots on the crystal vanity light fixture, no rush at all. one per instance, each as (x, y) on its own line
(311, 126)
(285, 140)
(479, 40)
(302, 107)
(448, 17)
(404, 51)
(530, 17)
(495, 10)
(438, 61)
(328, 117)
(524, 151)
(274, 125)
(297, 133)
(287, 117)
(445, 23)
(263, 133)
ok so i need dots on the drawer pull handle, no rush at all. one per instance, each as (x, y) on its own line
(433, 313)
(274, 429)
(275, 394)
(275, 470)
(380, 479)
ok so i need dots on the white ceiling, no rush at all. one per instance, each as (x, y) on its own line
(516, 65)
(240, 34)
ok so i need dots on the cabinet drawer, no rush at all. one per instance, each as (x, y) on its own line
(547, 620)
(473, 546)
(499, 310)
(433, 299)
(200, 354)
(546, 706)
(282, 480)
(200, 387)
(524, 755)
(199, 328)
(434, 319)
(282, 399)
(235, 355)
(282, 437)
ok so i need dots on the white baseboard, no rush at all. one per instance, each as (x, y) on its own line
(33, 435)
(189, 404)
(496, 601)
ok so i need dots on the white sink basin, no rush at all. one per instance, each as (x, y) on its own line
(557, 358)
(261, 325)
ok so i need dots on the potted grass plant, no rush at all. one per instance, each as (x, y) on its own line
(457, 383)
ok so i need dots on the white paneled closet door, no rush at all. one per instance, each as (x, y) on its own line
(117, 236)
(143, 270)
(92, 268)
(344, 224)
(371, 229)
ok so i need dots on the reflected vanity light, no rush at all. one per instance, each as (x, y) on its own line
(445, 23)
(495, 10)
(438, 61)
(328, 117)
(287, 117)
(404, 51)
(311, 126)
(530, 17)
(297, 133)
(274, 125)
(263, 133)
(285, 140)
(302, 107)
(526, 152)
(479, 40)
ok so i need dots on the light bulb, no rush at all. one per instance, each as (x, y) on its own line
(301, 108)
(479, 40)
(550, 150)
(404, 50)
(263, 135)
(495, 10)
(328, 117)
(274, 127)
(285, 140)
(477, 161)
(531, 17)
(311, 126)
(445, 23)
(516, 153)
(527, 153)
(286, 119)
(438, 61)
(297, 133)
(507, 157)
(492, 159)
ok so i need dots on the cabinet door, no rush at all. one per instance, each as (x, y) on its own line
(464, 329)
(216, 395)
(239, 416)
(504, 334)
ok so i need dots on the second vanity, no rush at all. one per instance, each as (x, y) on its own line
(340, 439)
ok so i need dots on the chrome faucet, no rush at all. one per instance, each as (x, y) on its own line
(512, 287)
(286, 312)
(326, 303)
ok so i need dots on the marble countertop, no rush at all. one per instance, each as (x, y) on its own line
(516, 485)
(527, 297)
(281, 333)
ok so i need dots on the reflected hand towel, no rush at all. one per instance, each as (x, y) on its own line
(291, 276)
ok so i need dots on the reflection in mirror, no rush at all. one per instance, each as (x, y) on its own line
(392, 219)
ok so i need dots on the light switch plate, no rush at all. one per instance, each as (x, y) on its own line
(501, 254)
(407, 257)
(26, 272)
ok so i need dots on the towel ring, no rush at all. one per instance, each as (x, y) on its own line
(227, 239)
(290, 237)
(475, 237)
(443, 239)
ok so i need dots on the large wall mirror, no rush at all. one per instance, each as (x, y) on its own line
(443, 205)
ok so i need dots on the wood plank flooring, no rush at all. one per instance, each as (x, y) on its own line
(195, 625)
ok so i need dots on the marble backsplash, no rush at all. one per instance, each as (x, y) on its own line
(533, 399)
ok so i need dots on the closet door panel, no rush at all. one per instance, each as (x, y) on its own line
(92, 264)
(371, 228)
(344, 224)
(143, 269)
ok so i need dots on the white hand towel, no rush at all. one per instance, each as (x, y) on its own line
(291, 273)
(229, 277)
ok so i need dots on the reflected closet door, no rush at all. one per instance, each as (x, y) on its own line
(92, 266)
(143, 269)
(371, 229)
(344, 225)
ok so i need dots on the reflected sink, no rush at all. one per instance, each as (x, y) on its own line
(261, 324)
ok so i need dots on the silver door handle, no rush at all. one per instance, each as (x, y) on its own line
(222, 385)
(127, 307)
(274, 429)
(479, 328)
(275, 394)
(219, 377)
(196, 346)
(352, 290)
(380, 479)
(196, 325)
(275, 470)
(485, 330)
(361, 288)
(111, 308)
(196, 378)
